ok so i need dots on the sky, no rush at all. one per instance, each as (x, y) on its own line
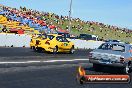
(113, 12)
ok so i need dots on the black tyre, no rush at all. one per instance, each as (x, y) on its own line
(39, 49)
(55, 50)
(130, 68)
(127, 69)
(34, 48)
(31, 47)
(72, 50)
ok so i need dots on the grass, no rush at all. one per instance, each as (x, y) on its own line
(105, 33)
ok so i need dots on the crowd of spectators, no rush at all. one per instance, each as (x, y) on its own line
(53, 22)
(35, 19)
(102, 25)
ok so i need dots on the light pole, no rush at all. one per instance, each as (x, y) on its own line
(69, 27)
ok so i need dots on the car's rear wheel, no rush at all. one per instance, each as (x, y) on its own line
(39, 49)
(31, 47)
(34, 48)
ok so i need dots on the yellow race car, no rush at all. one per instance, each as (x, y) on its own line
(55, 43)
(35, 40)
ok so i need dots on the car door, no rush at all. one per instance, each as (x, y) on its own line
(62, 42)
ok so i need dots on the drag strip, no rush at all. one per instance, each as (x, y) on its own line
(21, 57)
(26, 54)
(11, 52)
(52, 76)
(24, 68)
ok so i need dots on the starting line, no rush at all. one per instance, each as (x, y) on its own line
(46, 61)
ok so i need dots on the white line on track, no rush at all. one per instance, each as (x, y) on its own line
(46, 61)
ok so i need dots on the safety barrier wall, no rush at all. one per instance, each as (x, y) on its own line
(14, 40)
(17, 40)
(84, 44)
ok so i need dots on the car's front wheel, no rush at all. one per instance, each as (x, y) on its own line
(128, 68)
(72, 50)
(55, 50)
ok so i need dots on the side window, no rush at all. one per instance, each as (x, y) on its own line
(50, 37)
(117, 47)
(59, 39)
(105, 46)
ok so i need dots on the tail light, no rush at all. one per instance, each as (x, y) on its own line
(122, 59)
(90, 55)
(47, 42)
(37, 42)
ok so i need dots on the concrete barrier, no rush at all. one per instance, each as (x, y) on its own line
(83, 44)
(14, 40)
(17, 40)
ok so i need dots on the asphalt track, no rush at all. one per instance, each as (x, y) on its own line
(26, 53)
(45, 70)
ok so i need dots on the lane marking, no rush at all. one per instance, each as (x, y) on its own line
(46, 61)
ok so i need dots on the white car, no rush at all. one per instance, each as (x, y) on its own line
(112, 54)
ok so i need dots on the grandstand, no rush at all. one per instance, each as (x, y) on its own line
(30, 21)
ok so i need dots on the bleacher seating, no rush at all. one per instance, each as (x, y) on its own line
(15, 25)
(19, 19)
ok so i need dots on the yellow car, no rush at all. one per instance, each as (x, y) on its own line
(35, 40)
(56, 43)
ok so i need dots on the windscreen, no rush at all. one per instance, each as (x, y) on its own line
(113, 47)
(50, 37)
(61, 39)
